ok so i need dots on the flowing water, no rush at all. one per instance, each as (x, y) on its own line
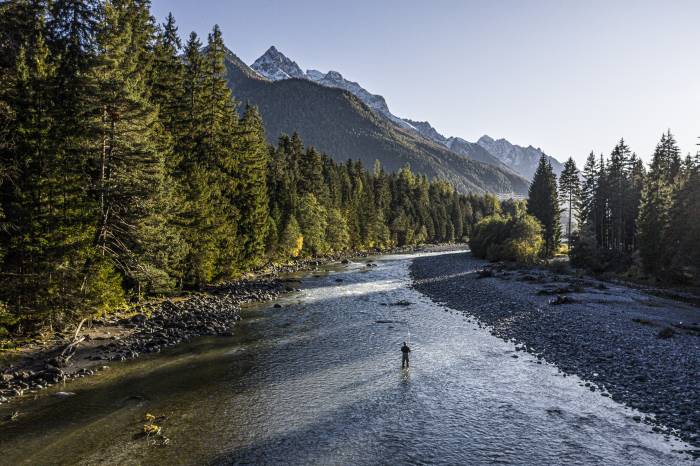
(319, 381)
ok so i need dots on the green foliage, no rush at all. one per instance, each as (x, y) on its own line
(517, 238)
(569, 192)
(337, 233)
(292, 240)
(312, 219)
(629, 214)
(656, 205)
(252, 199)
(127, 170)
(337, 123)
(543, 204)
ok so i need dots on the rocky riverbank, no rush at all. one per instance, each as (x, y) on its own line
(638, 349)
(148, 328)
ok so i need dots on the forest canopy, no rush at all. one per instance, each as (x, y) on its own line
(128, 168)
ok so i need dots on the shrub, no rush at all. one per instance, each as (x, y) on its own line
(586, 254)
(517, 238)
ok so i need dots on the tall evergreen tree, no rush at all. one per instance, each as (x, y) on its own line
(210, 163)
(543, 204)
(683, 233)
(166, 82)
(618, 175)
(26, 196)
(587, 191)
(569, 191)
(132, 145)
(252, 199)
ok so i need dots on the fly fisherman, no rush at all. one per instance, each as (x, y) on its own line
(404, 358)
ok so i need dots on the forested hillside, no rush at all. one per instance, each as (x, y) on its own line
(337, 122)
(127, 169)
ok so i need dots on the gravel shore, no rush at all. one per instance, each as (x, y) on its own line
(636, 348)
(149, 328)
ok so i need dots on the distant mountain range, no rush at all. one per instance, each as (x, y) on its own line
(341, 118)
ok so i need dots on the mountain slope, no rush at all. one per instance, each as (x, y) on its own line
(275, 66)
(523, 160)
(427, 130)
(459, 145)
(374, 101)
(338, 123)
(476, 152)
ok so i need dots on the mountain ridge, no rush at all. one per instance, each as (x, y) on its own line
(338, 123)
(523, 159)
(276, 66)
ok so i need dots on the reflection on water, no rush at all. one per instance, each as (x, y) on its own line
(320, 381)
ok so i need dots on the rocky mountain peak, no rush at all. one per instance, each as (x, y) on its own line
(275, 65)
(523, 160)
(334, 76)
(427, 130)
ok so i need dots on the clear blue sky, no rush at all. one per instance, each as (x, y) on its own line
(566, 76)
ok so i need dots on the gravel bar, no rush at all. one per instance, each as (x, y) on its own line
(638, 349)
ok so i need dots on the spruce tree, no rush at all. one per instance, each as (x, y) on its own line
(26, 196)
(618, 177)
(166, 82)
(543, 204)
(132, 147)
(683, 232)
(209, 163)
(252, 199)
(588, 185)
(569, 191)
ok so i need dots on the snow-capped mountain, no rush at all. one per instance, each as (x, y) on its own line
(274, 65)
(374, 101)
(337, 122)
(523, 160)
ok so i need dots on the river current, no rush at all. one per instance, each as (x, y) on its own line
(319, 381)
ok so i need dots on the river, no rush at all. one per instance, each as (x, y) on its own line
(319, 381)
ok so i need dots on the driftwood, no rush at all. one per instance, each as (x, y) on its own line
(70, 348)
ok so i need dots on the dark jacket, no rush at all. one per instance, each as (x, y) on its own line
(405, 349)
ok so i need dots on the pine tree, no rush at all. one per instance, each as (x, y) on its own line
(543, 204)
(588, 185)
(618, 176)
(683, 233)
(457, 216)
(252, 199)
(26, 197)
(313, 223)
(73, 34)
(569, 191)
(166, 82)
(133, 146)
(210, 164)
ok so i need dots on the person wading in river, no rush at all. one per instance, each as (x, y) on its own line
(404, 358)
